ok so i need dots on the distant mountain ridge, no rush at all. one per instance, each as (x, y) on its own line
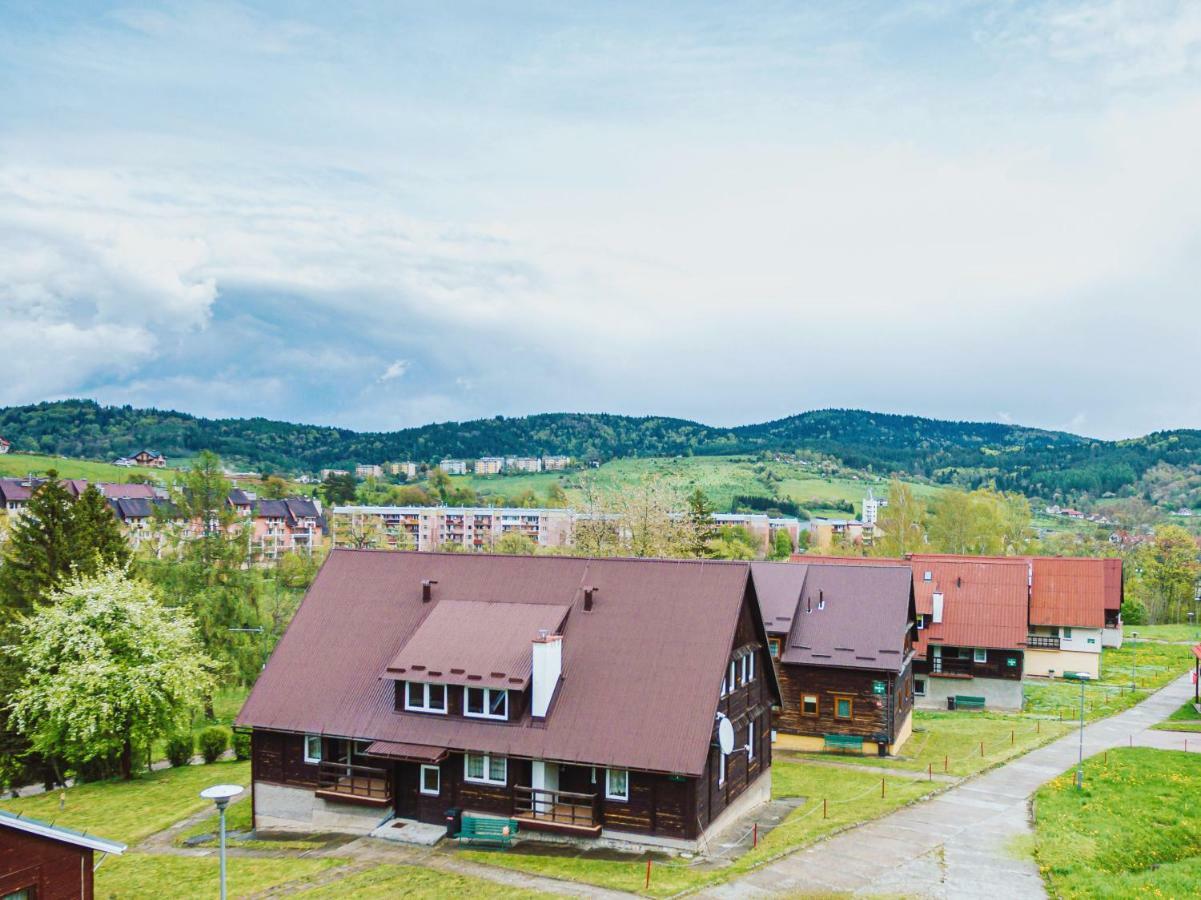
(1035, 461)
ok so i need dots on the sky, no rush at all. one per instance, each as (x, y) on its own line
(382, 215)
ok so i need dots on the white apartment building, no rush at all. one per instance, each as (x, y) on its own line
(555, 463)
(369, 471)
(523, 463)
(489, 465)
(453, 466)
(407, 469)
(433, 527)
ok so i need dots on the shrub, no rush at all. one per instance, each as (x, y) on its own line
(180, 748)
(241, 742)
(1134, 612)
(213, 741)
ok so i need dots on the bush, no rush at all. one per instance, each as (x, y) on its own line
(241, 742)
(213, 741)
(1134, 612)
(180, 748)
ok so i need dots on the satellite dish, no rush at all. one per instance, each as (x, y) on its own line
(725, 735)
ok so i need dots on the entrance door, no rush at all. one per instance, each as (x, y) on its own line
(404, 779)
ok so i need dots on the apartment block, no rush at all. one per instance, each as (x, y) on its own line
(407, 469)
(435, 527)
(368, 471)
(555, 463)
(453, 466)
(523, 464)
(489, 465)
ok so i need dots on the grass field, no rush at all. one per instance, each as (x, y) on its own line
(141, 875)
(720, 477)
(851, 797)
(1190, 633)
(18, 465)
(1184, 719)
(1135, 829)
(415, 882)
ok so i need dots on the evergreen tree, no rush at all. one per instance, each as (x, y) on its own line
(99, 542)
(41, 550)
(700, 517)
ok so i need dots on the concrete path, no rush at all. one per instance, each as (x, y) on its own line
(970, 841)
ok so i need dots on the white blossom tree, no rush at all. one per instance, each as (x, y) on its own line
(107, 668)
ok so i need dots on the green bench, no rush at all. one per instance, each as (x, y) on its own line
(843, 743)
(497, 832)
(965, 702)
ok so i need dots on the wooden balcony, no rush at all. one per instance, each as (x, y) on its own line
(1042, 641)
(563, 811)
(346, 783)
(951, 667)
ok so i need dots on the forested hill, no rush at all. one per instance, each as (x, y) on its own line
(969, 453)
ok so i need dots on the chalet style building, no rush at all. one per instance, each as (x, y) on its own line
(40, 861)
(5, 446)
(625, 699)
(842, 636)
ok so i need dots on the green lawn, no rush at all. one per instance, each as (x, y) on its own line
(851, 796)
(1149, 664)
(949, 742)
(1135, 830)
(1190, 633)
(415, 882)
(1184, 719)
(16, 465)
(141, 875)
(129, 811)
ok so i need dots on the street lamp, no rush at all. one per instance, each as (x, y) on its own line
(1133, 659)
(1082, 677)
(221, 794)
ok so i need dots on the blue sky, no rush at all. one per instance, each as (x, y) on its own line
(379, 215)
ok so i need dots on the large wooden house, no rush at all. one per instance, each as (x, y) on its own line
(842, 635)
(586, 697)
(41, 861)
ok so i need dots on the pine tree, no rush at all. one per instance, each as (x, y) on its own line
(99, 542)
(700, 517)
(41, 550)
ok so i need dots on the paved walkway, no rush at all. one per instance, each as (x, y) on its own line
(970, 841)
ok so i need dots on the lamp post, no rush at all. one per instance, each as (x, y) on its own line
(1082, 677)
(221, 794)
(1133, 659)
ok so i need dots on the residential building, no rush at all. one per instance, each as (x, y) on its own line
(368, 471)
(523, 463)
(453, 466)
(826, 535)
(136, 515)
(871, 509)
(5, 446)
(15, 493)
(149, 459)
(762, 527)
(242, 502)
(489, 465)
(406, 469)
(294, 524)
(555, 463)
(41, 860)
(433, 527)
(325, 473)
(842, 637)
(555, 701)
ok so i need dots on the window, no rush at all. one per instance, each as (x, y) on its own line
(486, 703)
(980, 655)
(773, 647)
(748, 668)
(844, 707)
(431, 781)
(1067, 634)
(485, 769)
(921, 622)
(965, 652)
(809, 705)
(724, 689)
(312, 748)
(721, 768)
(617, 784)
(421, 697)
(750, 741)
(927, 575)
(919, 687)
(733, 675)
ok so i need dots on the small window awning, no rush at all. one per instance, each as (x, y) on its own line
(407, 752)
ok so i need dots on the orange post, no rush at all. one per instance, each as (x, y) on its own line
(1012, 737)
(982, 749)
(648, 874)
(929, 771)
(945, 764)
(755, 836)
(881, 787)
(824, 816)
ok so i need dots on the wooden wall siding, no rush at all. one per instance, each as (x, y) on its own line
(869, 710)
(996, 666)
(55, 871)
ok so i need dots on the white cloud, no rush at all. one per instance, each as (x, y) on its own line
(396, 369)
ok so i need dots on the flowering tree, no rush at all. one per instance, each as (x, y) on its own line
(107, 667)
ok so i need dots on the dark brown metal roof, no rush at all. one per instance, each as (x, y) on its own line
(641, 672)
(846, 615)
(406, 752)
(483, 643)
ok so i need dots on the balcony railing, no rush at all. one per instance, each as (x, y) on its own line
(951, 665)
(556, 810)
(1042, 641)
(354, 783)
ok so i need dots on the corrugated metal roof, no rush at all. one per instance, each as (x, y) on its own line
(407, 752)
(641, 672)
(59, 833)
(778, 588)
(478, 642)
(984, 602)
(1068, 592)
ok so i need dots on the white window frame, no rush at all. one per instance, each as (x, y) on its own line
(733, 676)
(610, 794)
(308, 757)
(916, 692)
(425, 698)
(979, 654)
(488, 760)
(437, 791)
(750, 740)
(748, 668)
(921, 621)
(487, 703)
(721, 768)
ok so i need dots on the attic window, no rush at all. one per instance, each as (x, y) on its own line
(486, 703)
(422, 697)
(927, 575)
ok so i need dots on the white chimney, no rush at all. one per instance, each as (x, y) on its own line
(937, 606)
(547, 667)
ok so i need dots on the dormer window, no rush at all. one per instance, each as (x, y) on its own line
(421, 697)
(927, 575)
(486, 703)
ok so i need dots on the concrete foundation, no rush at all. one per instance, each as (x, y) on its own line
(998, 693)
(284, 808)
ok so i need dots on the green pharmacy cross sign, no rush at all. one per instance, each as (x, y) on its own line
(878, 687)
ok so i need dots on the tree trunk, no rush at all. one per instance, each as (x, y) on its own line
(209, 712)
(127, 759)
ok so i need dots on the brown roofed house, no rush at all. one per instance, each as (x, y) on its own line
(48, 862)
(588, 697)
(842, 636)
